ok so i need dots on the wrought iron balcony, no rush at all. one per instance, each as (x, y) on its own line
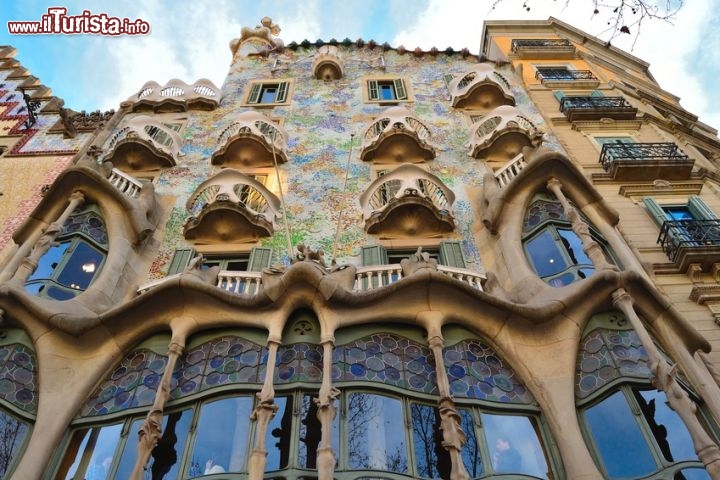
(637, 161)
(543, 48)
(691, 242)
(595, 108)
(563, 74)
(397, 136)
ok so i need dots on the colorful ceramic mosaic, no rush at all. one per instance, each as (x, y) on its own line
(18, 377)
(475, 371)
(301, 362)
(386, 358)
(606, 355)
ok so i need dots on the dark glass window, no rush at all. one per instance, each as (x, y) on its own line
(13, 433)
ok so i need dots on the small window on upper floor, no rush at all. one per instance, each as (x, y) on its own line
(268, 92)
(386, 90)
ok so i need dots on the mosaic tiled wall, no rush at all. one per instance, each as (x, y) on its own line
(319, 120)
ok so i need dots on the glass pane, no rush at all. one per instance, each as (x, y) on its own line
(279, 433)
(311, 432)
(166, 457)
(574, 247)
(692, 474)
(666, 426)
(376, 439)
(59, 293)
(471, 454)
(545, 255)
(94, 454)
(48, 262)
(268, 94)
(515, 445)
(12, 432)
(432, 459)
(221, 442)
(387, 91)
(80, 269)
(618, 439)
(681, 212)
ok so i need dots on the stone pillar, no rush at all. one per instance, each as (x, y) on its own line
(326, 414)
(26, 258)
(453, 436)
(590, 246)
(664, 379)
(151, 429)
(263, 413)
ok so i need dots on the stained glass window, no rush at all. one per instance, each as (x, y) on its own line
(18, 376)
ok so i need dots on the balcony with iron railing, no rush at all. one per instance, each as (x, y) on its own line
(645, 161)
(397, 136)
(502, 134)
(595, 108)
(481, 88)
(565, 78)
(408, 201)
(231, 207)
(542, 48)
(689, 242)
(252, 140)
(144, 144)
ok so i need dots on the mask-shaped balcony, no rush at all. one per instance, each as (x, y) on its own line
(595, 108)
(502, 134)
(327, 63)
(251, 141)
(639, 161)
(144, 144)
(175, 96)
(397, 137)
(408, 201)
(482, 88)
(231, 207)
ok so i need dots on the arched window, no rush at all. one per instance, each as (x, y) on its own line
(631, 429)
(75, 258)
(551, 246)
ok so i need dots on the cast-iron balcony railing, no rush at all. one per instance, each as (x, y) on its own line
(559, 74)
(594, 108)
(677, 235)
(540, 43)
(640, 152)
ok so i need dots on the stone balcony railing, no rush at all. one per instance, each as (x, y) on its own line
(501, 122)
(510, 170)
(124, 183)
(251, 140)
(397, 136)
(482, 87)
(144, 143)
(176, 95)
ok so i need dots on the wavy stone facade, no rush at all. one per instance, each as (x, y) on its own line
(316, 310)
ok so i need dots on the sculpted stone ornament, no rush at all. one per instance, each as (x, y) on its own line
(266, 32)
(418, 261)
(195, 268)
(307, 254)
(43, 244)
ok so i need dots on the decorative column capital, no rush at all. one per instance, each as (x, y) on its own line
(554, 184)
(77, 196)
(176, 348)
(621, 299)
(436, 341)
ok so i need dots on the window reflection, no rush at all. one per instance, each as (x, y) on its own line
(471, 454)
(12, 433)
(670, 433)
(280, 428)
(91, 452)
(431, 458)
(514, 445)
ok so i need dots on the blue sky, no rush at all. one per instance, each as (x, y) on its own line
(189, 40)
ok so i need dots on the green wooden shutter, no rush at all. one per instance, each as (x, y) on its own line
(559, 94)
(181, 259)
(699, 210)
(254, 96)
(596, 93)
(373, 93)
(400, 91)
(375, 255)
(260, 258)
(282, 92)
(604, 140)
(451, 254)
(655, 210)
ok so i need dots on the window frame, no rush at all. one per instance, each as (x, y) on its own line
(402, 91)
(255, 88)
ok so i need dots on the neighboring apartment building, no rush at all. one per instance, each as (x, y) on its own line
(360, 261)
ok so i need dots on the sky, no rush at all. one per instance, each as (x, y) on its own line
(189, 40)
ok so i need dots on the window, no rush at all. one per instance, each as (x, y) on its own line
(270, 92)
(553, 249)
(448, 253)
(253, 261)
(388, 90)
(75, 258)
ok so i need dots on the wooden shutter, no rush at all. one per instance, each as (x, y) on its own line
(375, 255)
(400, 91)
(559, 94)
(260, 258)
(181, 259)
(254, 96)
(699, 210)
(655, 210)
(373, 93)
(282, 92)
(596, 93)
(451, 254)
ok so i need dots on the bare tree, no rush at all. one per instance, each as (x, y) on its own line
(623, 16)
(11, 434)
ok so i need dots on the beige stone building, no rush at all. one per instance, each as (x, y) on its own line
(361, 261)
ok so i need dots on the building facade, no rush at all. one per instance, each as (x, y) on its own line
(359, 261)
